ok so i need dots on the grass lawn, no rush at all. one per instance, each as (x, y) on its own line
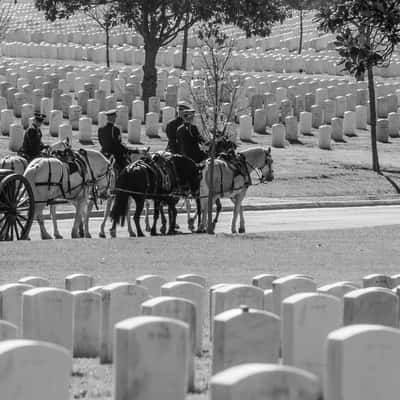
(328, 256)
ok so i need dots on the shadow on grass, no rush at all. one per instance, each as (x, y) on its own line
(308, 134)
(351, 135)
(252, 141)
(340, 141)
(295, 141)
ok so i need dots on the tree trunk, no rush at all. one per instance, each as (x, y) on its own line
(185, 48)
(107, 30)
(301, 31)
(149, 84)
(210, 225)
(372, 108)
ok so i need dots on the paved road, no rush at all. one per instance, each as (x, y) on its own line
(277, 220)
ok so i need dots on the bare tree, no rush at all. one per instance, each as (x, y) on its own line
(5, 17)
(219, 89)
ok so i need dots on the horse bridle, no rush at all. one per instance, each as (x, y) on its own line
(260, 175)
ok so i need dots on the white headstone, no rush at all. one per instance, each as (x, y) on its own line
(35, 281)
(324, 137)
(48, 315)
(87, 314)
(265, 381)
(278, 135)
(263, 281)
(372, 305)
(151, 359)
(134, 131)
(362, 363)
(85, 129)
(307, 319)
(243, 335)
(119, 301)
(152, 125)
(78, 282)
(34, 370)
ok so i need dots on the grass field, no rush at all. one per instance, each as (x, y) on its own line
(328, 256)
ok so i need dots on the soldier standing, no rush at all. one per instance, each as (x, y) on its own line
(111, 141)
(32, 145)
(189, 138)
(172, 128)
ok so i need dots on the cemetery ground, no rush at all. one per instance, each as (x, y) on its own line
(327, 256)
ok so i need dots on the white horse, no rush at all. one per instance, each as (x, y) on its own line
(226, 184)
(51, 180)
(18, 164)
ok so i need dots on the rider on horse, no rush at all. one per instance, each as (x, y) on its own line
(111, 142)
(189, 138)
(172, 128)
(32, 145)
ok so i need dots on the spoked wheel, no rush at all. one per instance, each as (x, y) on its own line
(16, 207)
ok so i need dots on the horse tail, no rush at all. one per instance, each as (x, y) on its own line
(121, 201)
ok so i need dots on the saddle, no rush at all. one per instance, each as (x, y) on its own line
(237, 163)
(72, 159)
(166, 171)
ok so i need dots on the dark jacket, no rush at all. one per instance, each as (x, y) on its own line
(111, 141)
(171, 130)
(32, 144)
(189, 139)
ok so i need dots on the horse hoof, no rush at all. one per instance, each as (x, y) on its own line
(141, 234)
(88, 236)
(102, 235)
(58, 236)
(132, 234)
(153, 233)
(75, 236)
(242, 230)
(113, 234)
(47, 237)
(148, 229)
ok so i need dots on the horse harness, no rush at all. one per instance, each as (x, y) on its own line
(236, 162)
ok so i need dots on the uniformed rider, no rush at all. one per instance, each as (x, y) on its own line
(189, 138)
(172, 128)
(111, 142)
(32, 145)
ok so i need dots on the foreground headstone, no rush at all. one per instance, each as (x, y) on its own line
(338, 289)
(263, 281)
(232, 296)
(152, 283)
(371, 306)
(35, 281)
(182, 310)
(87, 314)
(362, 363)
(151, 359)
(34, 370)
(194, 278)
(8, 330)
(78, 282)
(120, 300)
(377, 280)
(194, 293)
(245, 335)
(265, 381)
(48, 315)
(11, 302)
(307, 319)
(289, 285)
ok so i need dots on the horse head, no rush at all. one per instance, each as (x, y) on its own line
(267, 170)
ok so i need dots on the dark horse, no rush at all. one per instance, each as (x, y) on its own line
(142, 180)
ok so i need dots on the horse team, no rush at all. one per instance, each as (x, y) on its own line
(161, 177)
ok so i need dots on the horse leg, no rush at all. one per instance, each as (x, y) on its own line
(203, 216)
(146, 215)
(172, 212)
(139, 208)
(128, 217)
(153, 231)
(236, 210)
(40, 220)
(163, 229)
(85, 214)
(107, 209)
(218, 211)
(242, 228)
(190, 219)
(56, 233)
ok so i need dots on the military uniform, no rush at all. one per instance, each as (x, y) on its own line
(111, 144)
(189, 139)
(32, 145)
(171, 131)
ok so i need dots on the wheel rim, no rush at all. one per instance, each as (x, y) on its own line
(16, 208)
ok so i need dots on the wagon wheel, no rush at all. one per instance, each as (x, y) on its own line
(16, 207)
